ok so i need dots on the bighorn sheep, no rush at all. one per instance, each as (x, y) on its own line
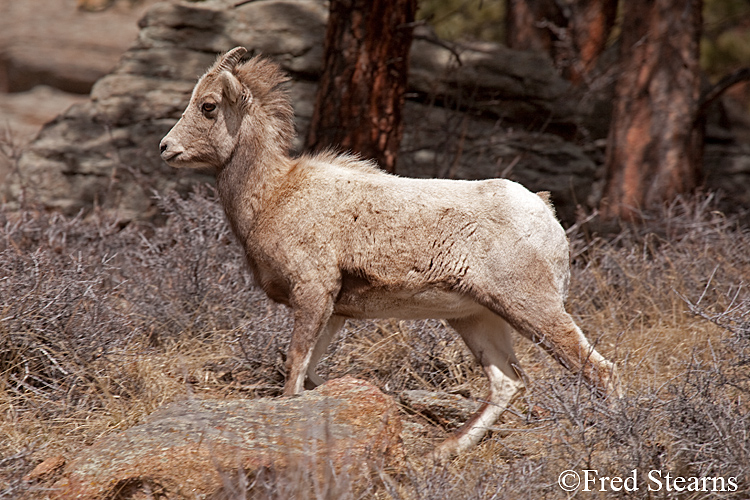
(334, 237)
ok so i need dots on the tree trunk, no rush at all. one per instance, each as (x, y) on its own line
(574, 32)
(361, 92)
(528, 24)
(591, 23)
(654, 148)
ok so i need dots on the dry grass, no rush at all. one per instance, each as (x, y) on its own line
(100, 324)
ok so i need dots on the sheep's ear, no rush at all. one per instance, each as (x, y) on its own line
(233, 88)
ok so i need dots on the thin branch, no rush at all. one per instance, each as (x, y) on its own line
(433, 39)
(708, 97)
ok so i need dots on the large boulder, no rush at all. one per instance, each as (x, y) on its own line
(346, 428)
(463, 100)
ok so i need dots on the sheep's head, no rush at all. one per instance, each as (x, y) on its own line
(208, 131)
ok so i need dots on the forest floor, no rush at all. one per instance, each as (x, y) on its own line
(101, 324)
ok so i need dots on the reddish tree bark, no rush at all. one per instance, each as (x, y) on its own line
(654, 148)
(527, 24)
(361, 92)
(590, 24)
(573, 33)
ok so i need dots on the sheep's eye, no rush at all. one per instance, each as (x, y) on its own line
(208, 107)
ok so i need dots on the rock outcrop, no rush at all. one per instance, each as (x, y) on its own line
(209, 449)
(462, 102)
(56, 45)
(447, 410)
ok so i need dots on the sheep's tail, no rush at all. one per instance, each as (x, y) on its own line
(547, 199)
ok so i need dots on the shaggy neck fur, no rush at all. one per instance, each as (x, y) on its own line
(260, 163)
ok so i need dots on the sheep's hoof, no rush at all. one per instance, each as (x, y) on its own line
(443, 453)
(310, 385)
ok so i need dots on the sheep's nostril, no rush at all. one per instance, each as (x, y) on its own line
(163, 146)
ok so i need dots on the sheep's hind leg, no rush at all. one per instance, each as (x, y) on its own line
(332, 327)
(533, 303)
(488, 337)
(555, 330)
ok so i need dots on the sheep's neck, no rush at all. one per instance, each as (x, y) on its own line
(248, 182)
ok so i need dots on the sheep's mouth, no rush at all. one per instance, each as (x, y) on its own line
(169, 156)
(181, 161)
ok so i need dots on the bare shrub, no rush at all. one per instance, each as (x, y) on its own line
(100, 324)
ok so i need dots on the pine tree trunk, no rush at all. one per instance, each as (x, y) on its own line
(361, 92)
(654, 149)
(573, 33)
(590, 25)
(528, 24)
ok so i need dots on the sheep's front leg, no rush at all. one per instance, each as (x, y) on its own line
(332, 327)
(312, 311)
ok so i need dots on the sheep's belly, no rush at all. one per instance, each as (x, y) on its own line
(406, 304)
